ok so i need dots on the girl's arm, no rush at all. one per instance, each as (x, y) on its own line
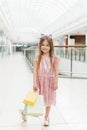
(35, 85)
(56, 64)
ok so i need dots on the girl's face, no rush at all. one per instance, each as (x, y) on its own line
(45, 48)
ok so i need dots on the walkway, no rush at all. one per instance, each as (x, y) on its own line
(70, 112)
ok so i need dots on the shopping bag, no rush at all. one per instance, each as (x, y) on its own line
(37, 109)
(30, 98)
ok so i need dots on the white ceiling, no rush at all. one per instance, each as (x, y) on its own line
(26, 20)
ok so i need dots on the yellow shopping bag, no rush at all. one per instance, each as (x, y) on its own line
(37, 109)
(30, 98)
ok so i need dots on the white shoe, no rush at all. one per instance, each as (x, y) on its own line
(46, 122)
(24, 117)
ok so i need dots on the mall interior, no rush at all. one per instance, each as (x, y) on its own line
(22, 23)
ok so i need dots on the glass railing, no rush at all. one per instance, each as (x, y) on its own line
(73, 60)
(3, 49)
(77, 53)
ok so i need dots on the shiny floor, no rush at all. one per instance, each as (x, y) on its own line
(70, 113)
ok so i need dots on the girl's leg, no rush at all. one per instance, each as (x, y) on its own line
(47, 112)
(46, 121)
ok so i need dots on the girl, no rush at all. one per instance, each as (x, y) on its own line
(45, 77)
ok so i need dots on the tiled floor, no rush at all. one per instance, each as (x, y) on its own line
(70, 112)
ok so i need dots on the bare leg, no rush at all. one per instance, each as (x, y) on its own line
(47, 112)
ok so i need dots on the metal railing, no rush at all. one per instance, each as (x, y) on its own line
(73, 60)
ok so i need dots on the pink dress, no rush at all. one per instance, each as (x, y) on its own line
(46, 79)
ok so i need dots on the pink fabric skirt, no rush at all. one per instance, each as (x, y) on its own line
(46, 88)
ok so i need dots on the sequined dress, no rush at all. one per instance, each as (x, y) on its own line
(46, 80)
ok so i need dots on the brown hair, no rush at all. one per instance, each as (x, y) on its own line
(51, 52)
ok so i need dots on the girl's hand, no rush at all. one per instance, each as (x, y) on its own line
(55, 87)
(35, 88)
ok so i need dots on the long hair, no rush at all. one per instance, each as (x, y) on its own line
(51, 51)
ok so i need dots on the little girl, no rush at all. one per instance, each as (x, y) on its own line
(45, 77)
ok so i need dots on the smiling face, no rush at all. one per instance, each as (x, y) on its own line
(45, 47)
